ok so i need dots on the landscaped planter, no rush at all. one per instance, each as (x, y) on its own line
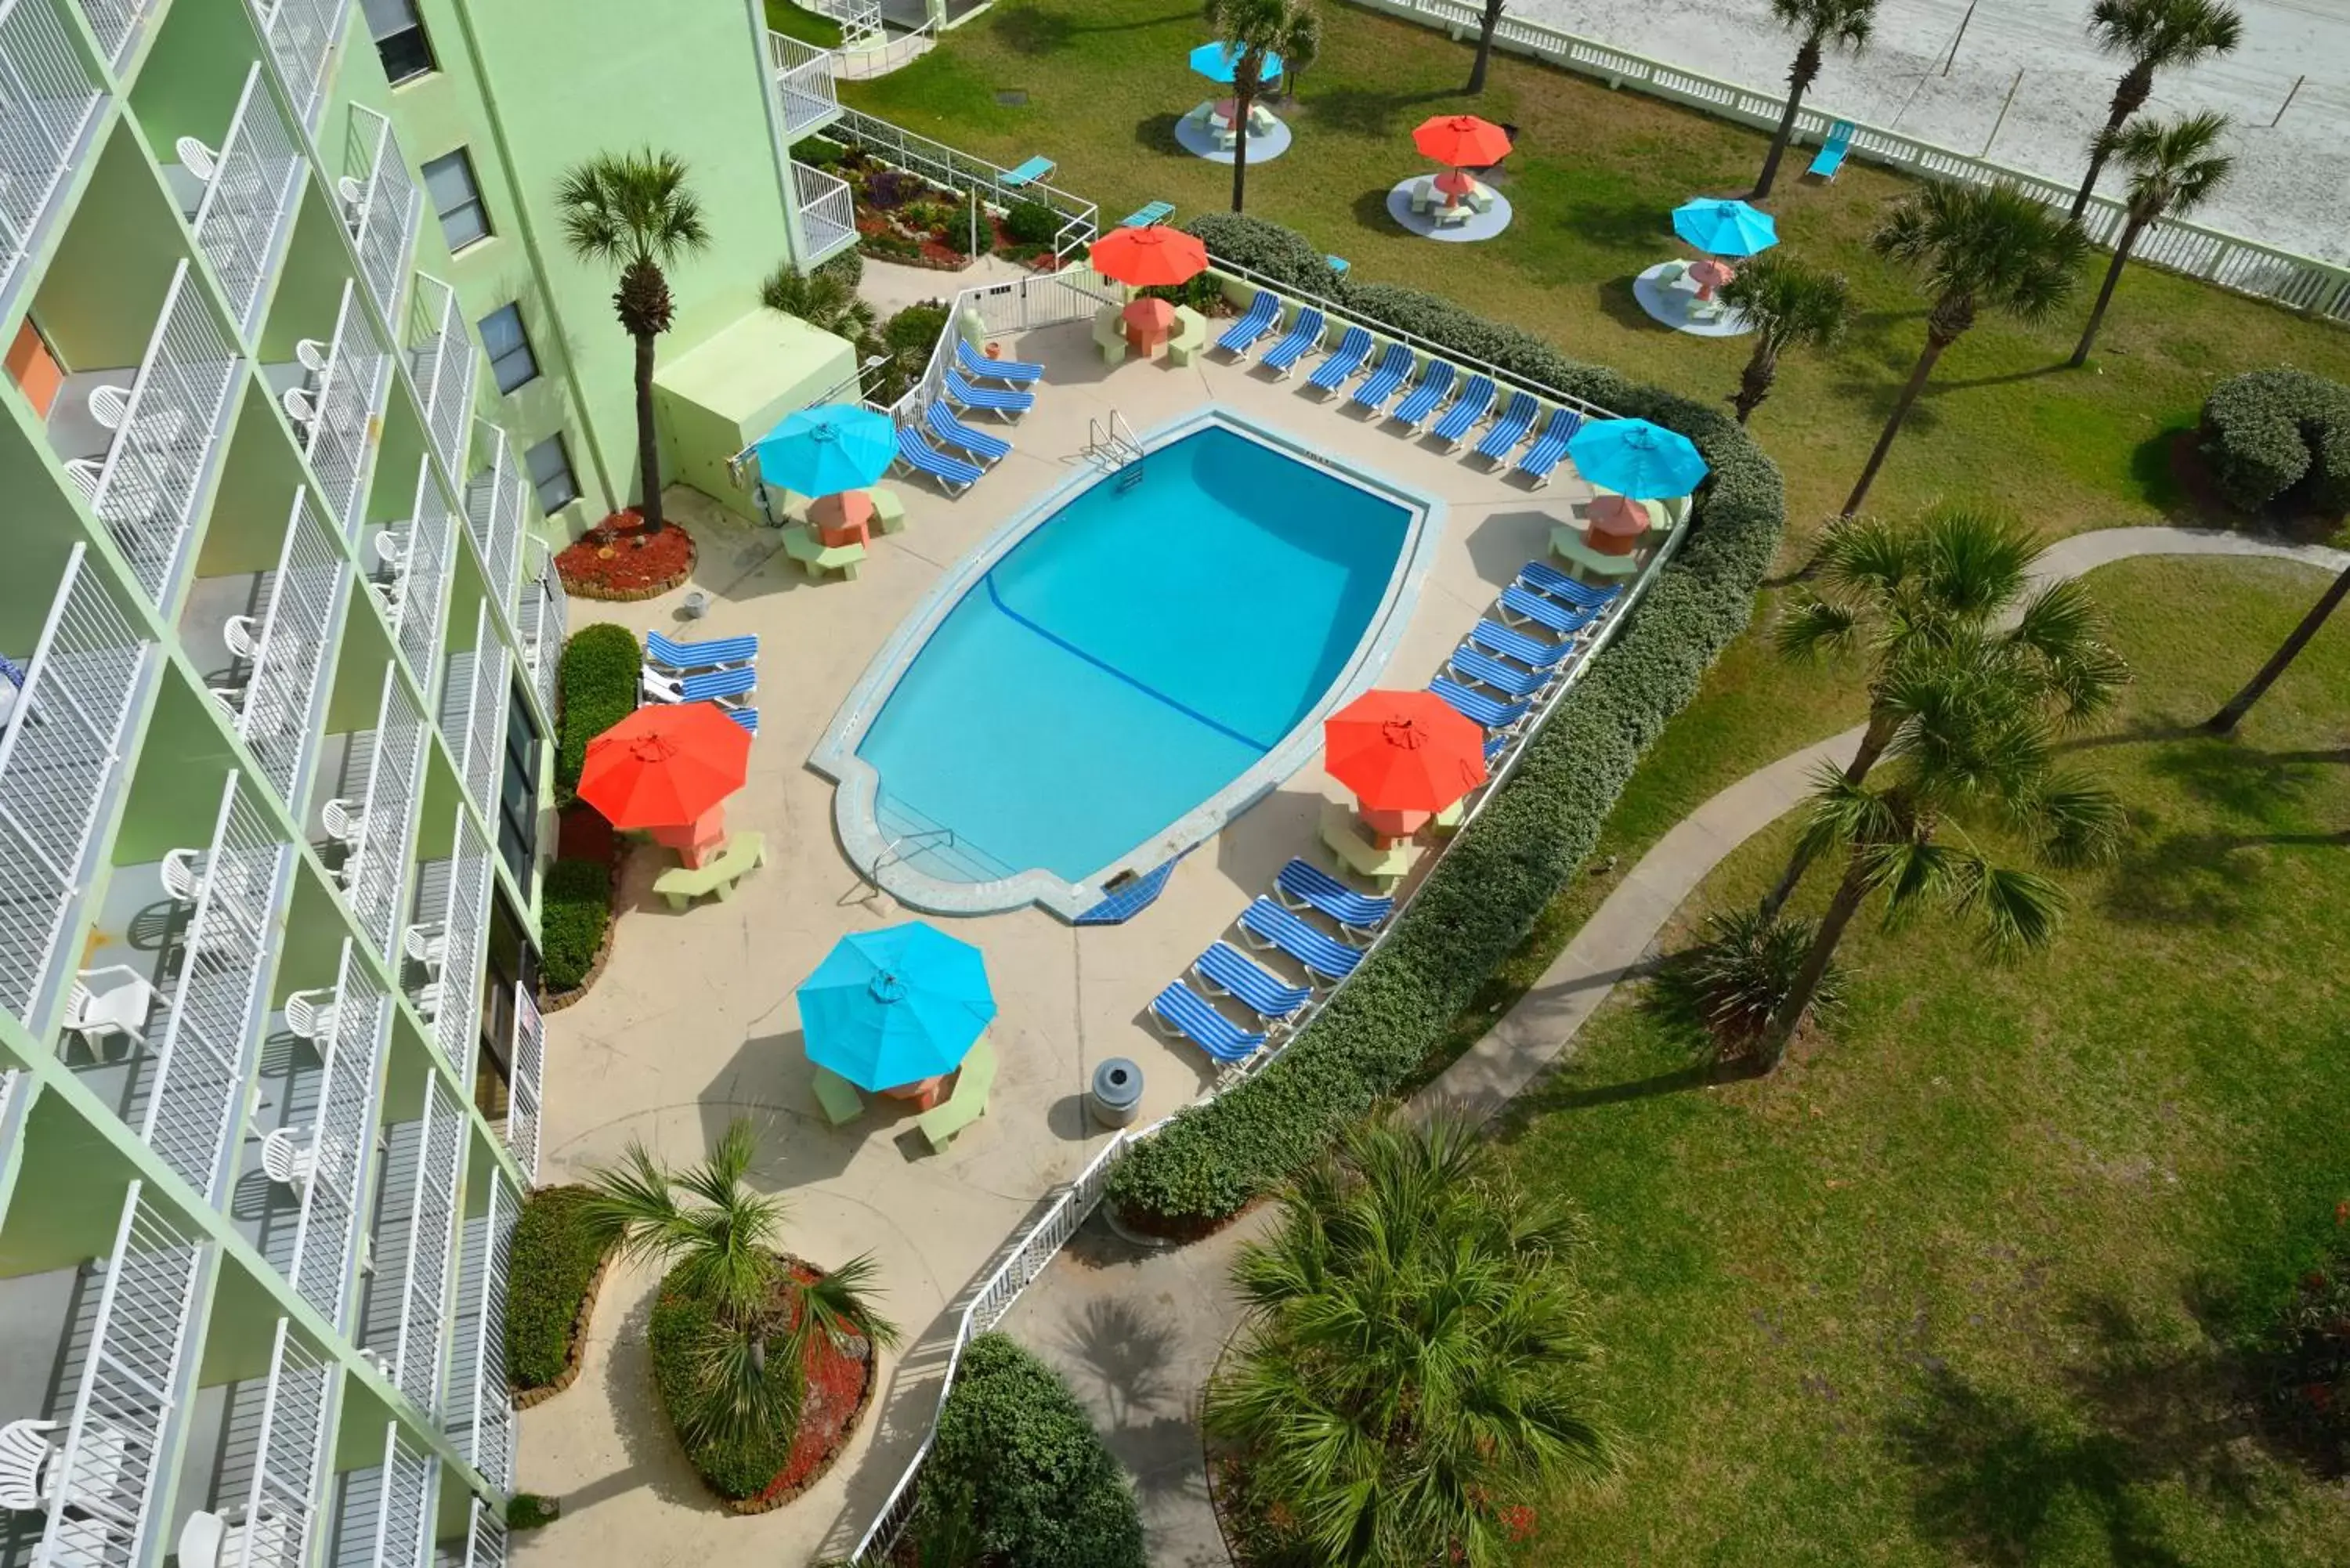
(618, 562)
(550, 1263)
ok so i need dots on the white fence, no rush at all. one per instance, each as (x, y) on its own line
(116, 25)
(249, 205)
(485, 1538)
(422, 1158)
(348, 406)
(523, 1084)
(442, 361)
(543, 623)
(473, 712)
(377, 872)
(324, 1265)
(51, 93)
(284, 698)
(827, 214)
(384, 222)
(1021, 304)
(459, 887)
(480, 1402)
(959, 170)
(420, 590)
(803, 82)
(302, 35)
(494, 512)
(279, 1520)
(388, 1509)
(877, 55)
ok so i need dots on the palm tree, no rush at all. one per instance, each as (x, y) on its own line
(1490, 20)
(718, 1247)
(2225, 721)
(1978, 246)
(1957, 584)
(632, 211)
(1251, 29)
(2173, 171)
(1821, 23)
(822, 298)
(2153, 35)
(1966, 746)
(1414, 1358)
(1789, 305)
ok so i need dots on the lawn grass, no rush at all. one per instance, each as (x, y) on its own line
(796, 22)
(1955, 1285)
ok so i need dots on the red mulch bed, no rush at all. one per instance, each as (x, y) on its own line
(617, 559)
(836, 1395)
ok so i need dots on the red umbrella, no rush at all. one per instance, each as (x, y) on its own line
(1404, 751)
(1462, 141)
(667, 766)
(1146, 257)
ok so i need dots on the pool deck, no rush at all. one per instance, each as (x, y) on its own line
(692, 1023)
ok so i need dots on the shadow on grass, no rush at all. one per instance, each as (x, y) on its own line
(2152, 470)
(1371, 210)
(1031, 30)
(1157, 133)
(1938, 387)
(2243, 781)
(1364, 111)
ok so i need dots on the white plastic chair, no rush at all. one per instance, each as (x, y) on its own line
(85, 472)
(392, 550)
(232, 701)
(428, 1001)
(311, 355)
(286, 1160)
(354, 195)
(110, 405)
(301, 409)
(243, 635)
(197, 159)
(428, 945)
(311, 1015)
(342, 821)
(120, 1008)
(28, 1466)
(183, 875)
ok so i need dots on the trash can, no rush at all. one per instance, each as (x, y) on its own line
(1118, 1093)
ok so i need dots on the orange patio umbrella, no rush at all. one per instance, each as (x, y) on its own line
(668, 768)
(1405, 755)
(1147, 258)
(1461, 140)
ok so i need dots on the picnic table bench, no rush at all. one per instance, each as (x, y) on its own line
(681, 885)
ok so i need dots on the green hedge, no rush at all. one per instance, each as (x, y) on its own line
(1284, 255)
(736, 1468)
(599, 690)
(1480, 903)
(555, 1261)
(2267, 431)
(575, 906)
(1018, 1473)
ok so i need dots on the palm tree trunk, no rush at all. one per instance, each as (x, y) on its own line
(1242, 97)
(648, 436)
(2129, 96)
(1841, 909)
(1800, 77)
(1754, 381)
(2225, 721)
(1934, 347)
(1485, 47)
(2105, 292)
(1873, 741)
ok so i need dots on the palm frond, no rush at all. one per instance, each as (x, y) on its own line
(2073, 820)
(843, 1301)
(2019, 911)
(2158, 34)
(744, 1385)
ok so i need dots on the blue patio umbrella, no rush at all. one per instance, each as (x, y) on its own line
(895, 1006)
(1220, 62)
(1635, 458)
(1725, 228)
(828, 448)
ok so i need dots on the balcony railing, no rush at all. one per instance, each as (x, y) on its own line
(195, 1093)
(248, 207)
(117, 23)
(381, 204)
(418, 589)
(443, 362)
(60, 750)
(347, 411)
(388, 1509)
(480, 1403)
(523, 1084)
(473, 712)
(276, 1521)
(803, 82)
(302, 35)
(827, 214)
(485, 1538)
(106, 1488)
(494, 511)
(543, 624)
(285, 701)
(52, 95)
(340, 1141)
(376, 875)
(146, 491)
(456, 939)
(411, 1252)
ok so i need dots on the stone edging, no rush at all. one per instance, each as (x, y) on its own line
(747, 1507)
(576, 1354)
(557, 1000)
(654, 591)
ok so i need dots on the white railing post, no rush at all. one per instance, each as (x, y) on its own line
(827, 211)
(421, 594)
(383, 224)
(291, 1450)
(444, 360)
(478, 1398)
(546, 623)
(51, 92)
(324, 1266)
(494, 514)
(417, 1344)
(485, 1538)
(396, 1504)
(377, 874)
(473, 712)
(249, 205)
(281, 714)
(523, 1082)
(350, 409)
(302, 35)
(456, 992)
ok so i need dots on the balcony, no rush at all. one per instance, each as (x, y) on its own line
(485, 1538)
(61, 762)
(520, 1128)
(416, 1214)
(242, 213)
(256, 1460)
(381, 207)
(337, 411)
(494, 511)
(803, 84)
(447, 944)
(827, 214)
(384, 1513)
(377, 777)
(118, 24)
(409, 574)
(480, 1405)
(442, 361)
(302, 35)
(542, 625)
(53, 98)
(473, 712)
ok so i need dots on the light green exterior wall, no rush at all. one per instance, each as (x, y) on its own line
(712, 402)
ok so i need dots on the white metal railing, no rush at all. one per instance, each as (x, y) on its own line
(459, 887)
(302, 35)
(485, 1538)
(828, 213)
(376, 875)
(325, 1261)
(442, 361)
(51, 93)
(116, 25)
(62, 743)
(493, 513)
(473, 712)
(146, 491)
(804, 82)
(860, 20)
(544, 624)
(283, 700)
(106, 1484)
(479, 1401)
(877, 55)
(248, 206)
(426, 1154)
(383, 219)
(388, 1508)
(349, 407)
(523, 1082)
(419, 590)
(1021, 304)
(290, 1451)
(960, 170)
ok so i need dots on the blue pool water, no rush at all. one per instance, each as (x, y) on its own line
(1132, 656)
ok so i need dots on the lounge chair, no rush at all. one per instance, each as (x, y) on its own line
(1434, 382)
(1508, 642)
(1522, 604)
(1477, 708)
(1225, 970)
(1187, 1013)
(1510, 429)
(1354, 347)
(1543, 578)
(685, 658)
(1262, 314)
(1322, 955)
(974, 1079)
(708, 686)
(746, 717)
(1306, 334)
(1494, 746)
(1830, 161)
(988, 449)
(1028, 173)
(1150, 213)
(953, 475)
(1472, 664)
(1475, 401)
(1000, 402)
(979, 367)
(1550, 447)
(1302, 885)
(1386, 379)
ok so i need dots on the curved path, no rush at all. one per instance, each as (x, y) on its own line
(1135, 1331)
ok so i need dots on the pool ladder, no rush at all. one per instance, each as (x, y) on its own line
(1113, 446)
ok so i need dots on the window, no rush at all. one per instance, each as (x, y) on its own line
(399, 38)
(509, 357)
(450, 180)
(518, 790)
(550, 474)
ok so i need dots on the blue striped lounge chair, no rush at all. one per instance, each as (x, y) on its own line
(1472, 664)
(1494, 746)
(684, 657)
(1225, 970)
(1268, 925)
(979, 368)
(1510, 429)
(997, 401)
(953, 475)
(1508, 642)
(1545, 579)
(1386, 379)
(1354, 347)
(1521, 603)
(1302, 885)
(989, 449)
(746, 717)
(1477, 708)
(1550, 447)
(1434, 382)
(1305, 335)
(1187, 1013)
(1475, 401)
(1261, 315)
(1149, 213)
(709, 686)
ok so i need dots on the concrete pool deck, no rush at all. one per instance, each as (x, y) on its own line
(692, 1023)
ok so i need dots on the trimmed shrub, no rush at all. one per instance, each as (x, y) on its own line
(1478, 905)
(1018, 1473)
(736, 1468)
(554, 1262)
(575, 907)
(600, 689)
(2267, 432)
(1284, 255)
(1032, 222)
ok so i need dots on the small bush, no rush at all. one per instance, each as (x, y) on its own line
(1745, 968)
(1284, 255)
(555, 1261)
(818, 152)
(1018, 1471)
(915, 329)
(1199, 293)
(847, 267)
(736, 1468)
(929, 217)
(1032, 222)
(887, 188)
(2267, 433)
(2300, 1361)
(575, 907)
(598, 678)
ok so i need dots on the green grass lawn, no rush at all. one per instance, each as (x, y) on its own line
(1954, 1286)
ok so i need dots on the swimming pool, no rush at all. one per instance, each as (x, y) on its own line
(1117, 670)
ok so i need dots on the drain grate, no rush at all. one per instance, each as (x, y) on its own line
(1012, 98)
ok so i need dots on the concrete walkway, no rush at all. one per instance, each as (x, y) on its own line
(1136, 1332)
